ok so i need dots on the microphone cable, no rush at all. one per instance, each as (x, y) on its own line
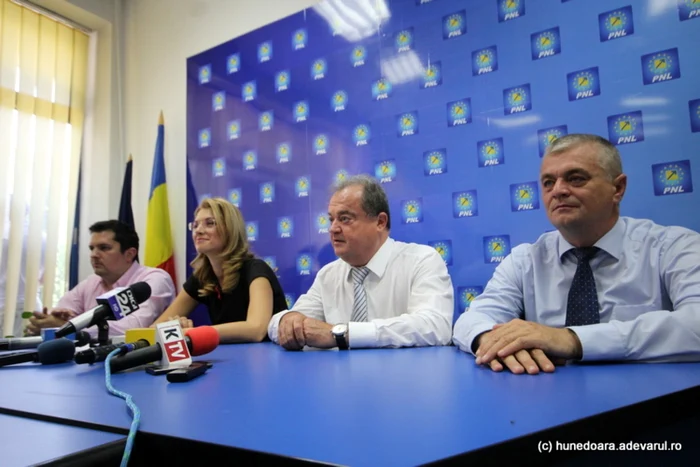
(135, 412)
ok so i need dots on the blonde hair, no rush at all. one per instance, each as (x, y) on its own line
(231, 228)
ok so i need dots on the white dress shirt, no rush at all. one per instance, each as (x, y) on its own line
(647, 278)
(409, 296)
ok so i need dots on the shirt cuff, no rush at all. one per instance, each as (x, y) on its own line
(362, 335)
(465, 340)
(600, 342)
(273, 326)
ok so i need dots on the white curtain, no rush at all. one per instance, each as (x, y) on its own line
(43, 66)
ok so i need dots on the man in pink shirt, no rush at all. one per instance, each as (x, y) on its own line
(114, 248)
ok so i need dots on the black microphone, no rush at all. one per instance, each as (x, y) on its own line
(99, 354)
(48, 353)
(114, 305)
(23, 343)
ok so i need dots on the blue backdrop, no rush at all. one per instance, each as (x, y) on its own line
(451, 104)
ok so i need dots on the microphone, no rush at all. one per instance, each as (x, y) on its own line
(200, 341)
(23, 343)
(99, 354)
(48, 353)
(115, 304)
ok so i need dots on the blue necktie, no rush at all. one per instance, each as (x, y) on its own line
(582, 306)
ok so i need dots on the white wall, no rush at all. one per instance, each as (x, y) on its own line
(144, 45)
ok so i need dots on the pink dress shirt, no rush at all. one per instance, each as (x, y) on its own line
(83, 297)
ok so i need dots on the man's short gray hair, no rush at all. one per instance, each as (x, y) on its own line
(608, 155)
(374, 200)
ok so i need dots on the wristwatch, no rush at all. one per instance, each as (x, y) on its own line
(340, 332)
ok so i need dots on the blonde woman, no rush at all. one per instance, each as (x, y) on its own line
(241, 292)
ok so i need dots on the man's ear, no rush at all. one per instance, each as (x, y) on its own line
(382, 220)
(620, 183)
(131, 254)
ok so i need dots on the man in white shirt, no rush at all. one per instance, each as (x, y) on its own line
(379, 293)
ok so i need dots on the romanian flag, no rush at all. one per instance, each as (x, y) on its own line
(126, 214)
(159, 240)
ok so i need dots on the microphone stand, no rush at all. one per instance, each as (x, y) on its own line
(102, 334)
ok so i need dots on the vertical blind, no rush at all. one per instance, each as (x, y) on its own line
(43, 72)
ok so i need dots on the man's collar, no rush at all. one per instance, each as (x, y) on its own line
(611, 242)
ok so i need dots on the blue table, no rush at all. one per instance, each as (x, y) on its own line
(27, 442)
(362, 407)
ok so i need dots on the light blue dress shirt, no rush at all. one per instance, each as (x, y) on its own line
(648, 282)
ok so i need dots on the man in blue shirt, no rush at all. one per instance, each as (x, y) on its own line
(601, 287)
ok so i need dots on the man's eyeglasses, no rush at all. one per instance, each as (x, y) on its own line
(207, 223)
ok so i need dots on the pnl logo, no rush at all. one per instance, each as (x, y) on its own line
(547, 136)
(319, 68)
(204, 138)
(412, 211)
(234, 129)
(688, 9)
(301, 111)
(432, 75)
(459, 112)
(407, 124)
(496, 248)
(234, 197)
(358, 56)
(361, 135)
(490, 152)
(583, 84)
(264, 52)
(218, 101)
(204, 74)
(233, 63)
(444, 249)
(284, 153)
(626, 128)
(615, 24)
(467, 295)
(381, 89)
(299, 39)
(694, 108)
(249, 91)
(285, 227)
(321, 144)
(524, 197)
(266, 120)
(267, 192)
(385, 171)
(454, 25)
(435, 162)
(661, 66)
(271, 261)
(545, 43)
(339, 101)
(340, 176)
(251, 230)
(302, 186)
(322, 223)
(250, 160)
(464, 204)
(484, 60)
(672, 178)
(510, 9)
(218, 167)
(282, 80)
(403, 40)
(517, 99)
(304, 264)
(290, 299)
